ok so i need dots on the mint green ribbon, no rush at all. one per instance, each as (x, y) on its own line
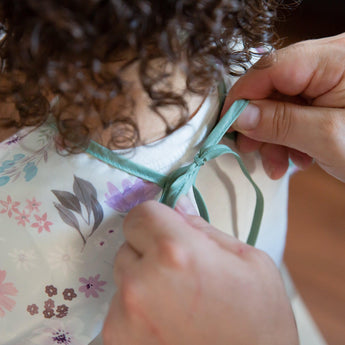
(181, 180)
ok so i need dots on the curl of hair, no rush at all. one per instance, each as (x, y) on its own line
(64, 46)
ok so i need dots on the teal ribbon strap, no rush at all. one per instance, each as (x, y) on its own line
(181, 180)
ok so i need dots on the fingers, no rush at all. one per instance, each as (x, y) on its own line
(275, 160)
(311, 69)
(316, 131)
(288, 73)
(300, 159)
(305, 85)
(153, 228)
(151, 223)
(245, 144)
(126, 258)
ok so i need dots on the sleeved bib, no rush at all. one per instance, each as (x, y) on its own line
(61, 218)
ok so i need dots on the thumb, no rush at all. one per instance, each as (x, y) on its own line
(316, 131)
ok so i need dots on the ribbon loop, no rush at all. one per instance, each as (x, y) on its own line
(183, 179)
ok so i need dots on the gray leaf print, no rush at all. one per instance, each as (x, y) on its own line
(97, 214)
(85, 192)
(69, 218)
(72, 212)
(68, 200)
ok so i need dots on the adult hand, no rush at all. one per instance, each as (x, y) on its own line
(297, 107)
(182, 282)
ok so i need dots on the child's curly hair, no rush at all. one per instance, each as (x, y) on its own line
(66, 46)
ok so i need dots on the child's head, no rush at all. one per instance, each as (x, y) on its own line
(78, 49)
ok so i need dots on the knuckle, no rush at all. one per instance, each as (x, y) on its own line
(282, 123)
(141, 214)
(173, 253)
(108, 333)
(198, 223)
(118, 257)
(129, 295)
(329, 126)
(332, 129)
(243, 250)
(120, 261)
(252, 254)
(261, 258)
(338, 40)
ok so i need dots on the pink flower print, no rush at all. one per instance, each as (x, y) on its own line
(9, 206)
(42, 223)
(6, 289)
(23, 218)
(33, 205)
(91, 286)
(132, 195)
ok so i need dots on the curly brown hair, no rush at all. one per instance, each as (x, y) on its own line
(65, 47)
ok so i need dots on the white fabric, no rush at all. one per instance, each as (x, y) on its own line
(56, 248)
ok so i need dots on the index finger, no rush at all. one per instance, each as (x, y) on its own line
(149, 224)
(300, 69)
(287, 73)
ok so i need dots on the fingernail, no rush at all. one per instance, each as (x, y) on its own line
(185, 206)
(249, 118)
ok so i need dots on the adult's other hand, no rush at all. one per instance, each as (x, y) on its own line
(297, 107)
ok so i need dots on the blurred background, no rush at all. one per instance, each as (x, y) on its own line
(315, 251)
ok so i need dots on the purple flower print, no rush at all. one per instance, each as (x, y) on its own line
(91, 286)
(133, 194)
(13, 140)
(58, 332)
